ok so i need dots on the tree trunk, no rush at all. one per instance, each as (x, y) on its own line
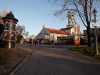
(88, 34)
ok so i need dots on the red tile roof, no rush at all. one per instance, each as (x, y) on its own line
(51, 30)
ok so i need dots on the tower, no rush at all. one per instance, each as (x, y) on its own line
(71, 20)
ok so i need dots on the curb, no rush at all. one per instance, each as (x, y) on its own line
(16, 69)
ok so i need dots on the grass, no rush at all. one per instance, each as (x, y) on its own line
(86, 51)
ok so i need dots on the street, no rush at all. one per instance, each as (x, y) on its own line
(58, 60)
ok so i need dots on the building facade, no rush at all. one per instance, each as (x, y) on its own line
(92, 30)
(49, 35)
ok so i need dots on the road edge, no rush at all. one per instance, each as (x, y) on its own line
(16, 69)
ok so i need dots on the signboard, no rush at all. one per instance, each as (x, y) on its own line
(8, 35)
(76, 40)
(9, 31)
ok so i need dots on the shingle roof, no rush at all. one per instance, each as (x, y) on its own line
(51, 30)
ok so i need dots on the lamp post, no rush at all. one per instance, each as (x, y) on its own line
(96, 52)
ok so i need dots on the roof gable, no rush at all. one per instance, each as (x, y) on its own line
(44, 31)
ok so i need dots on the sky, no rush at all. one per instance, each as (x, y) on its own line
(34, 14)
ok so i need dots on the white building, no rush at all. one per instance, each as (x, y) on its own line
(48, 35)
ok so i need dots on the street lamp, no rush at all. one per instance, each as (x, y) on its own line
(96, 52)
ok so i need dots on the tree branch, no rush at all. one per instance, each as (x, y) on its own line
(79, 13)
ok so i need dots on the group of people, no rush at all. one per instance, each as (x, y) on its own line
(32, 41)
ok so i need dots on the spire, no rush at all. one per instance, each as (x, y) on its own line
(43, 26)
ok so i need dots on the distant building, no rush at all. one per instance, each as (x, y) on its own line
(92, 30)
(63, 35)
(48, 35)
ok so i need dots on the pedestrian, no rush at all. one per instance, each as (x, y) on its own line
(30, 41)
(35, 42)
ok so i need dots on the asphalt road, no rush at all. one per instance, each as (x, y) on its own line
(58, 60)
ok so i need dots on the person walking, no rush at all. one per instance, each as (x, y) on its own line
(35, 42)
(30, 41)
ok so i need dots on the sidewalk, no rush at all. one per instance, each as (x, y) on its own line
(58, 61)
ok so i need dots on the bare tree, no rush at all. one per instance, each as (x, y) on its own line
(19, 29)
(26, 34)
(83, 8)
(32, 36)
(20, 32)
(3, 13)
